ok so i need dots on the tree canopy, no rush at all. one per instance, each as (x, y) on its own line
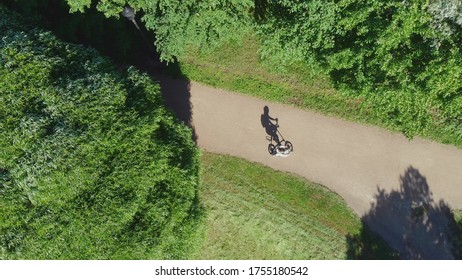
(92, 166)
(403, 57)
(177, 24)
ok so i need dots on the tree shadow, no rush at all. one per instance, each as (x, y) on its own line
(410, 222)
(110, 36)
(176, 92)
(119, 40)
(260, 10)
(175, 86)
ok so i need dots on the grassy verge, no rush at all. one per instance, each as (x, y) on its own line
(237, 67)
(254, 212)
(457, 241)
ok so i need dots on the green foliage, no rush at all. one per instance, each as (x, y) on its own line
(178, 24)
(401, 58)
(92, 165)
(237, 66)
(291, 29)
(388, 52)
(447, 15)
(457, 241)
(115, 38)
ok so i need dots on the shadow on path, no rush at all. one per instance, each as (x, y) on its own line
(410, 221)
(177, 97)
(175, 88)
(270, 127)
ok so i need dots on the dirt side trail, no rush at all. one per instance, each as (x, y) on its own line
(397, 186)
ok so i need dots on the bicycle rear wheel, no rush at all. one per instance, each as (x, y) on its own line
(271, 149)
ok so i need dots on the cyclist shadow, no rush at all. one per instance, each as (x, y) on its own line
(281, 147)
(270, 127)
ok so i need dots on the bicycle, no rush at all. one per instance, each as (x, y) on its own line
(283, 148)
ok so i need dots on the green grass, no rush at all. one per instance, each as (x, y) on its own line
(254, 212)
(92, 165)
(458, 216)
(237, 66)
(457, 241)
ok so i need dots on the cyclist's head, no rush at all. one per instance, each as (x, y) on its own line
(266, 110)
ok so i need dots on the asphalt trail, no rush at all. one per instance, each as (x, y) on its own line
(400, 188)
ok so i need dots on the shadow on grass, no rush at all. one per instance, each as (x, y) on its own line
(410, 222)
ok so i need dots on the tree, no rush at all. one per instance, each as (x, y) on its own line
(387, 52)
(447, 15)
(92, 165)
(178, 24)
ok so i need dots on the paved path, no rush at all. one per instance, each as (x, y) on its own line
(361, 163)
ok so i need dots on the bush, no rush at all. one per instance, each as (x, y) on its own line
(402, 57)
(92, 165)
(115, 38)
